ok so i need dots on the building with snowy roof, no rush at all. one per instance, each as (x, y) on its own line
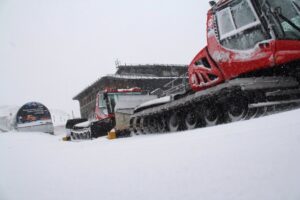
(147, 77)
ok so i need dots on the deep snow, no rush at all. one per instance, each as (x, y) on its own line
(257, 159)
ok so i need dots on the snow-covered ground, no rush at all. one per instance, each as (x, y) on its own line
(250, 160)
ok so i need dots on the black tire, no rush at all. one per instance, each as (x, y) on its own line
(153, 124)
(173, 122)
(211, 114)
(161, 124)
(190, 120)
(236, 109)
(146, 125)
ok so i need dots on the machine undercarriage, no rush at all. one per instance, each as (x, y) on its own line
(242, 98)
(249, 68)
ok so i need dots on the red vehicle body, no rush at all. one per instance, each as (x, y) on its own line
(216, 63)
(250, 67)
(103, 119)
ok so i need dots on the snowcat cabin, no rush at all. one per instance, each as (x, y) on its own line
(103, 109)
(284, 15)
(248, 38)
(107, 100)
(249, 68)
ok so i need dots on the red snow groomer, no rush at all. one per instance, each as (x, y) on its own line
(108, 103)
(250, 66)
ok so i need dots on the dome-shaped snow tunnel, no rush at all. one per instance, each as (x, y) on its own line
(34, 117)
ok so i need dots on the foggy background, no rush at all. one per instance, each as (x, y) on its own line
(50, 50)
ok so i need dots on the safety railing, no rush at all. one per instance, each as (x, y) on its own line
(177, 86)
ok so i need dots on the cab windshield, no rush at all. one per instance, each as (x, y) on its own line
(107, 102)
(285, 17)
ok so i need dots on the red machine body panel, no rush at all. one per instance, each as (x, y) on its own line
(227, 64)
(203, 72)
(286, 51)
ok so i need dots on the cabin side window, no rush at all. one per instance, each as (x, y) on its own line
(102, 104)
(239, 26)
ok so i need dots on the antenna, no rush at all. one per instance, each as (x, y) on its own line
(117, 62)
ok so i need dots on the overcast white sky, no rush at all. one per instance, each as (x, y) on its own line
(50, 50)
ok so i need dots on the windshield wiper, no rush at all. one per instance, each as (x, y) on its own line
(297, 6)
(277, 11)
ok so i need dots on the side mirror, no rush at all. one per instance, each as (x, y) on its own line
(212, 3)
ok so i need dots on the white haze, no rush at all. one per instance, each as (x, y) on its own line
(50, 50)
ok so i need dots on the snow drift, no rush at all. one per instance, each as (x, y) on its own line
(257, 159)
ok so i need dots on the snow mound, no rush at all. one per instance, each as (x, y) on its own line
(7, 116)
(7, 110)
(256, 159)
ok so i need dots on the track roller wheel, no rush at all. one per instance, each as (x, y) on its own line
(211, 114)
(173, 122)
(190, 120)
(251, 113)
(74, 136)
(261, 112)
(134, 126)
(138, 126)
(145, 125)
(161, 125)
(142, 126)
(153, 124)
(271, 109)
(236, 110)
(131, 124)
